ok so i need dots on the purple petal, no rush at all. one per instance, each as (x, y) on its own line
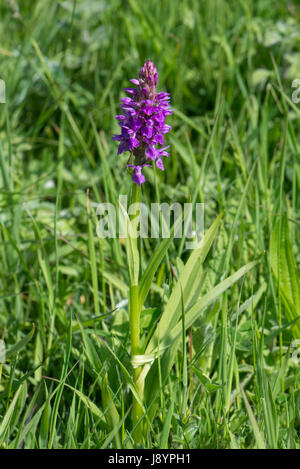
(147, 131)
(129, 90)
(136, 123)
(131, 110)
(152, 153)
(138, 176)
(118, 138)
(134, 81)
(133, 142)
(127, 100)
(159, 164)
(166, 128)
(122, 148)
(148, 110)
(158, 138)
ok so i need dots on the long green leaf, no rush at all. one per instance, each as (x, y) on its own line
(152, 267)
(258, 436)
(189, 281)
(21, 344)
(285, 271)
(193, 313)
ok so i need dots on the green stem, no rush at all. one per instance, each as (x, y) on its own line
(137, 411)
(135, 312)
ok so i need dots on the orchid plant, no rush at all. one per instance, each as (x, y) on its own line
(143, 128)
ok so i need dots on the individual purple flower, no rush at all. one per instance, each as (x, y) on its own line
(143, 123)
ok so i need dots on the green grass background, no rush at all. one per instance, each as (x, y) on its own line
(229, 66)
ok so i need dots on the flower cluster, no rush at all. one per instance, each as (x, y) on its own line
(143, 123)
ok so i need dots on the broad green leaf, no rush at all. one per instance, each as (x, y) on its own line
(110, 410)
(92, 256)
(206, 381)
(258, 436)
(167, 424)
(88, 403)
(154, 263)
(193, 312)
(170, 341)
(7, 419)
(45, 267)
(45, 420)
(30, 429)
(20, 345)
(132, 222)
(285, 271)
(116, 282)
(189, 280)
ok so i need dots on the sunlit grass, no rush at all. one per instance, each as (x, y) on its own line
(67, 380)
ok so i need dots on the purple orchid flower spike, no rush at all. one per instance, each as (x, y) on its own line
(143, 122)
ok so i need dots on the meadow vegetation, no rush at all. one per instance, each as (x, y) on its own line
(229, 376)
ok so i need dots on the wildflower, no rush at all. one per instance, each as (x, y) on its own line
(143, 123)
